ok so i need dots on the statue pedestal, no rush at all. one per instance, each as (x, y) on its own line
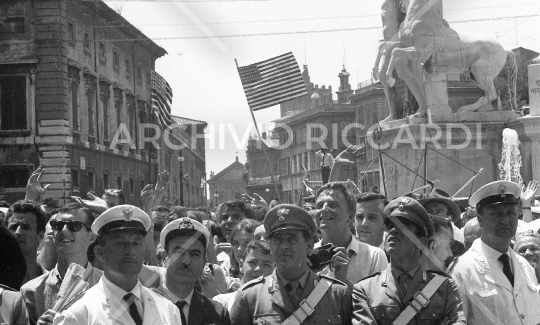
(534, 89)
(436, 85)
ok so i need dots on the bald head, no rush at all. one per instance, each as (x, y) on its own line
(471, 232)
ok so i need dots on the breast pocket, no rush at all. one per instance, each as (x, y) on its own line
(323, 319)
(385, 315)
(431, 315)
(267, 319)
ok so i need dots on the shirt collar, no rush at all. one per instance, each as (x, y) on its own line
(174, 297)
(397, 272)
(86, 275)
(302, 280)
(119, 293)
(491, 253)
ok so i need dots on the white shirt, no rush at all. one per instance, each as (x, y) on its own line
(493, 255)
(365, 260)
(328, 159)
(174, 298)
(119, 293)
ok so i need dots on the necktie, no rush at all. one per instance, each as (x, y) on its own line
(180, 304)
(404, 281)
(507, 270)
(294, 292)
(133, 312)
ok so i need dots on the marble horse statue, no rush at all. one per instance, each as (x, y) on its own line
(425, 38)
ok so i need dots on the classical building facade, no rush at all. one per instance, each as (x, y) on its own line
(228, 184)
(74, 77)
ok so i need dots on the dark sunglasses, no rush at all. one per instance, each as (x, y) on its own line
(72, 226)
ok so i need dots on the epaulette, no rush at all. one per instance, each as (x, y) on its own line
(370, 276)
(333, 279)
(439, 273)
(4, 287)
(252, 282)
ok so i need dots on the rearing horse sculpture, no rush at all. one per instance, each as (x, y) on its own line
(425, 37)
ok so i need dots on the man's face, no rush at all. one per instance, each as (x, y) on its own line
(257, 264)
(239, 244)
(186, 260)
(529, 247)
(369, 222)
(161, 214)
(441, 248)
(399, 242)
(499, 222)
(123, 253)
(230, 218)
(334, 213)
(24, 226)
(68, 242)
(290, 249)
(438, 209)
(111, 200)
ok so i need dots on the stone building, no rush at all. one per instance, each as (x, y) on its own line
(228, 184)
(260, 180)
(73, 74)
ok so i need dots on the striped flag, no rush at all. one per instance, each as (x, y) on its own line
(271, 82)
(161, 99)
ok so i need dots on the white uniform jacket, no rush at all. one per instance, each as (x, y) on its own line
(487, 295)
(98, 307)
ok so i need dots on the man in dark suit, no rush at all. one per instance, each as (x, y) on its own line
(285, 296)
(387, 297)
(185, 241)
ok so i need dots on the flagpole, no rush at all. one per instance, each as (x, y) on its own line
(263, 147)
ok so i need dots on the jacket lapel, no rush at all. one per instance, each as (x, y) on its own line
(113, 307)
(149, 304)
(490, 270)
(279, 295)
(196, 309)
(389, 282)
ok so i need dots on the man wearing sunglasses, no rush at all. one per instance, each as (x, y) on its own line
(72, 236)
(406, 293)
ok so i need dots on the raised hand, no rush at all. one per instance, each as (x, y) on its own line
(161, 187)
(256, 200)
(147, 197)
(33, 187)
(527, 193)
(95, 203)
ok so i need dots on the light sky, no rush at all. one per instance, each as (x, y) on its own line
(203, 74)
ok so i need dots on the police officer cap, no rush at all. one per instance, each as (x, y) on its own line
(122, 217)
(288, 216)
(184, 227)
(495, 193)
(412, 210)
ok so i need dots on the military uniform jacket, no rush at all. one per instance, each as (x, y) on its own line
(98, 307)
(12, 309)
(488, 297)
(265, 301)
(376, 300)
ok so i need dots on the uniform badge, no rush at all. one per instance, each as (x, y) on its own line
(128, 212)
(402, 203)
(281, 212)
(186, 224)
(502, 190)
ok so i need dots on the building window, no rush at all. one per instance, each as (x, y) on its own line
(128, 69)
(116, 60)
(105, 96)
(148, 80)
(74, 178)
(13, 103)
(71, 33)
(105, 181)
(74, 98)
(139, 75)
(12, 25)
(102, 53)
(119, 182)
(13, 176)
(90, 179)
(90, 99)
(86, 42)
(131, 186)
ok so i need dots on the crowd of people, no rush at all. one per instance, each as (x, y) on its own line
(340, 258)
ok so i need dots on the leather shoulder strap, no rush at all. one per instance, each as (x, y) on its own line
(307, 306)
(420, 300)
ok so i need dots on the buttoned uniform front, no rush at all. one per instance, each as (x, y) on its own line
(488, 297)
(365, 260)
(266, 301)
(41, 293)
(100, 306)
(376, 300)
(12, 309)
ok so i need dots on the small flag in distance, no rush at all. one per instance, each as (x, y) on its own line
(273, 81)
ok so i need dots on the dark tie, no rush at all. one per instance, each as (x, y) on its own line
(133, 312)
(293, 288)
(507, 270)
(180, 304)
(404, 282)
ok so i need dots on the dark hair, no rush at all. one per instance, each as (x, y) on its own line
(370, 196)
(50, 202)
(161, 208)
(117, 193)
(235, 204)
(159, 223)
(77, 206)
(248, 226)
(258, 245)
(177, 212)
(215, 230)
(339, 186)
(29, 206)
(197, 213)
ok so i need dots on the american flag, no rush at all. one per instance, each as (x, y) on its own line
(271, 82)
(161, 99)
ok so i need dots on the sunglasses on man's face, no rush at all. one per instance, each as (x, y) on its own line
(73, 226)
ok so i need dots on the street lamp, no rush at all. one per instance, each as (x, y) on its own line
(216, 196)
(181, 161)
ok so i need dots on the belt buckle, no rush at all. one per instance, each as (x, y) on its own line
(417, 300)
(306, 307)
